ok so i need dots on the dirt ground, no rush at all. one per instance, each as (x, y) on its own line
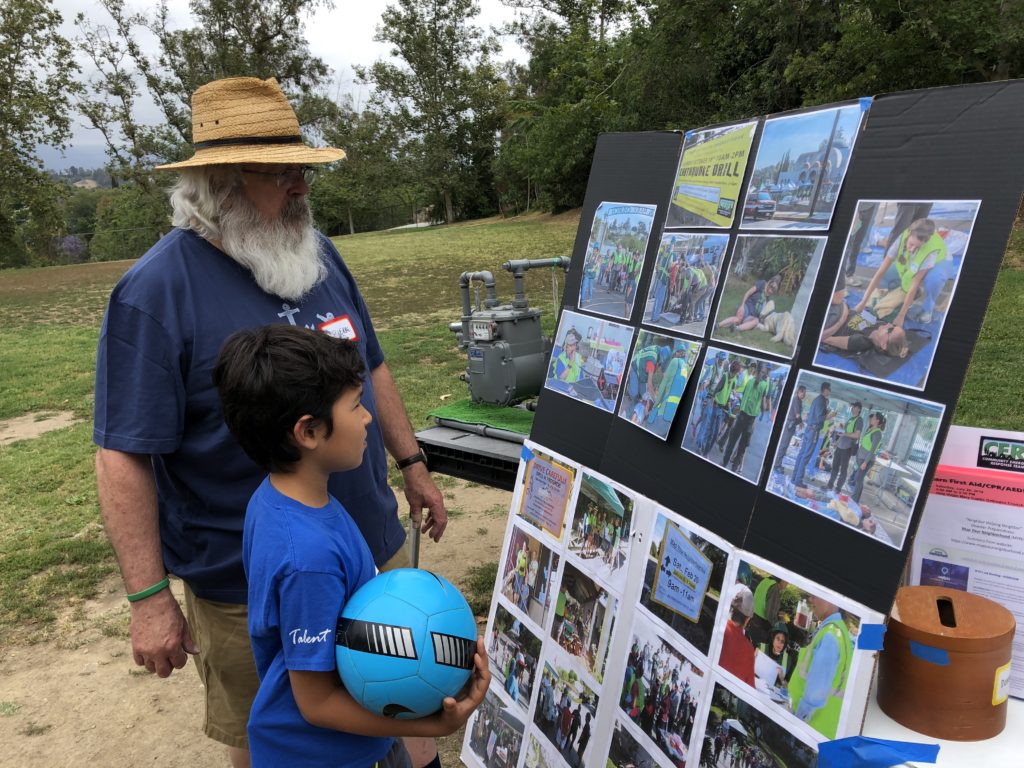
(81, 701)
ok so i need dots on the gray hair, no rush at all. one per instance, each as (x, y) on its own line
(199, 195)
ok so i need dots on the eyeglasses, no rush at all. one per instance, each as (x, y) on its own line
(288, 176)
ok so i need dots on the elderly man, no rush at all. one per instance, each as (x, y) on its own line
(173, 484)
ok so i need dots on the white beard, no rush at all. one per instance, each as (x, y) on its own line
(283, 255)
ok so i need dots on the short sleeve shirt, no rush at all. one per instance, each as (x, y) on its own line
(165, 324)
(303, 564)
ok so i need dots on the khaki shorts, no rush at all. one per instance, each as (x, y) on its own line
(400, 559)
(226, 666)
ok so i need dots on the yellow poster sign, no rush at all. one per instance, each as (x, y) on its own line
(707, 185)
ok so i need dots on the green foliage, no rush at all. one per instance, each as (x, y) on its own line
(478, 586)
(128, 221)
(36, 80)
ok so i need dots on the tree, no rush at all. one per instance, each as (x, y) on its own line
(36, 86)
(255, 38)
(128, 221)
(444, 100)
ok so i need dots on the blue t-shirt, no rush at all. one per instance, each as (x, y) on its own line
(166, 322)
(303, 563)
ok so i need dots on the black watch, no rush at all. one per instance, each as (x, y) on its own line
(408, 461)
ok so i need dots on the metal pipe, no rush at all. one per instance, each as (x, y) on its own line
(519, 267)
(481, 429)
(465, 279)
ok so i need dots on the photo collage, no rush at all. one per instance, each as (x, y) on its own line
(703, 654)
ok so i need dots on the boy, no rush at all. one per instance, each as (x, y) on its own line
(291, 397)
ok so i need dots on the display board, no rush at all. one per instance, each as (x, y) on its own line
(744, 402)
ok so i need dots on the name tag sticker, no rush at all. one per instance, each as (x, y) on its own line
(340, 328)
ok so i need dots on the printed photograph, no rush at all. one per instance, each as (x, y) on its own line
(528, 575)
(545, 492)
(656, 378)
(626, 751)
(899, 274)
(584, 618)
(601, 528)
(661, 691)
(766, 291)
(588, 359)
(794, 647)
(541, 753)
(800, 166)
(615, 258)
(683, 579)
(732, 414)
(685, 278)
(495, 733)
(707, 186)
(513, 652)
(739, 734)
(855, 454)
(565, 712)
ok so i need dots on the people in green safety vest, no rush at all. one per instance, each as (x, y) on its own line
(916, 251)
(670, 392)
(642, 367)
(846, 447)
(767, 601)
(868, 448)
(753, 402)
(819, 682)
(567, 365)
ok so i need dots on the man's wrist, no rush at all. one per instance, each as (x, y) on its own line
(409, 461)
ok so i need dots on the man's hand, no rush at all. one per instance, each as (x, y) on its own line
(160, 635)
(421, 493)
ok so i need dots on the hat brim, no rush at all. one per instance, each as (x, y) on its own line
(261, 153)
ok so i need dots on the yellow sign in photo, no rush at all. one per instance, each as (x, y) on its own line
(707, 184)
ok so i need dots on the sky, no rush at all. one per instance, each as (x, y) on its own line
(342, 37)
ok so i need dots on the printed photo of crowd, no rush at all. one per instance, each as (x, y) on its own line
(565, 712)
(615, 258)
(527, 575)
(855, 454)
(626, 751)
(513, 652)
(732, 414)
(683, 285)
(496, 733)
(659, 370)
(794, 647)
(661, 691)
(738, 735)
(600, 533)
(584, 618)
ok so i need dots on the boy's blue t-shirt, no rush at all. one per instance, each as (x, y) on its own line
(303, 564)
(166, 322)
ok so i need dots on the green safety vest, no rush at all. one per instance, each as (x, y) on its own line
(783, 660)
(722, 398)
(761, 597)
(521, 563)
(825, 719)
(909, 267)
(640, 361)
(664, 257)
(673, 382)
(571, 374)
(699, 277)
(560, 605)
(753, 393)
(865, 441)
(851, 425)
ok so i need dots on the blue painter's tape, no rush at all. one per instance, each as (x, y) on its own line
(865, 103)
(689, 135)
(930, 654)
(872, 637)
(865, 752)
(527, 454)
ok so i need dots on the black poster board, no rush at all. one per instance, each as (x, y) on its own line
(955, 143)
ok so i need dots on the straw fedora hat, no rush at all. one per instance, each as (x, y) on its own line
(247, 120)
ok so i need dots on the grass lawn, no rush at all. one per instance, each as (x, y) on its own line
(52, 548)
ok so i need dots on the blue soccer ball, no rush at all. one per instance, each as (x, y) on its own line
(405, 641)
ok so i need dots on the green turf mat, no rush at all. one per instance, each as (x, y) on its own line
(501, 417)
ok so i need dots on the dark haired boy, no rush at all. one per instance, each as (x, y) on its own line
(291, 397)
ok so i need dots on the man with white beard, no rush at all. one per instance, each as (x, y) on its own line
(173, 484)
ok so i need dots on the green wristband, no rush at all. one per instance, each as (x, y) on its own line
(149, 591)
